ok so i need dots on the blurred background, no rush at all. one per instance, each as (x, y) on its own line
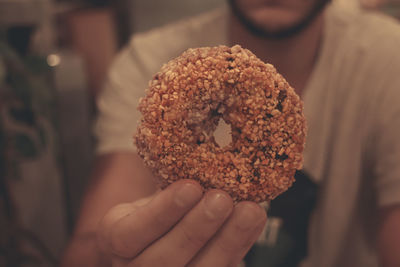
(54, 56)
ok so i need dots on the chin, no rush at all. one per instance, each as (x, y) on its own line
(273, 19)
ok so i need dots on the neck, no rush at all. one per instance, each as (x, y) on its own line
(293, 57)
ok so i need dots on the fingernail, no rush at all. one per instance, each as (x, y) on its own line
(249, 217)
(218, 205)
(187, 194)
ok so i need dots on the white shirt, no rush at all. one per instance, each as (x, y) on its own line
(352, 106)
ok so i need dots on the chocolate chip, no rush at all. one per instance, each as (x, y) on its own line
(279, 106)
(282, 95)
(265, 148)
(249, 140)
(281, 157)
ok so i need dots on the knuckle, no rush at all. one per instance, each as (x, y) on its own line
(117, 243)
(163, 220)
(166, 217)
(109, 234)
(231, 247)
(192, 238)
(114, 215)
(146, 261)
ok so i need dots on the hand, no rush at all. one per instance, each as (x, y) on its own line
(181, 226)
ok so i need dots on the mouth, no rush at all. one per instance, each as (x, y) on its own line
(264, 3)
(279, 4)
(272, 2)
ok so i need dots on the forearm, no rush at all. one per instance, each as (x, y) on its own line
(389, 237)
(117, 178)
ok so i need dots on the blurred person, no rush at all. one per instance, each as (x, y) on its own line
(344, 64)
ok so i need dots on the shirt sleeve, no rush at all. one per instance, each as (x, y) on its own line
(117, 104)
(387, 135)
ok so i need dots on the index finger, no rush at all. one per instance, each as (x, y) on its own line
(128, 233)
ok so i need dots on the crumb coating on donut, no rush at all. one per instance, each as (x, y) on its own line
(183, 105)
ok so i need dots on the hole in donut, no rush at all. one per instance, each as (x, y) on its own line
(222, 134)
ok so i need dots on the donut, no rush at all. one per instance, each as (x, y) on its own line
(183, 105)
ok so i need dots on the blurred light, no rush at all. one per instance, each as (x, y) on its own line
(53, 60)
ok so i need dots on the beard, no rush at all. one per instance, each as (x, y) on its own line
(285, 32)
